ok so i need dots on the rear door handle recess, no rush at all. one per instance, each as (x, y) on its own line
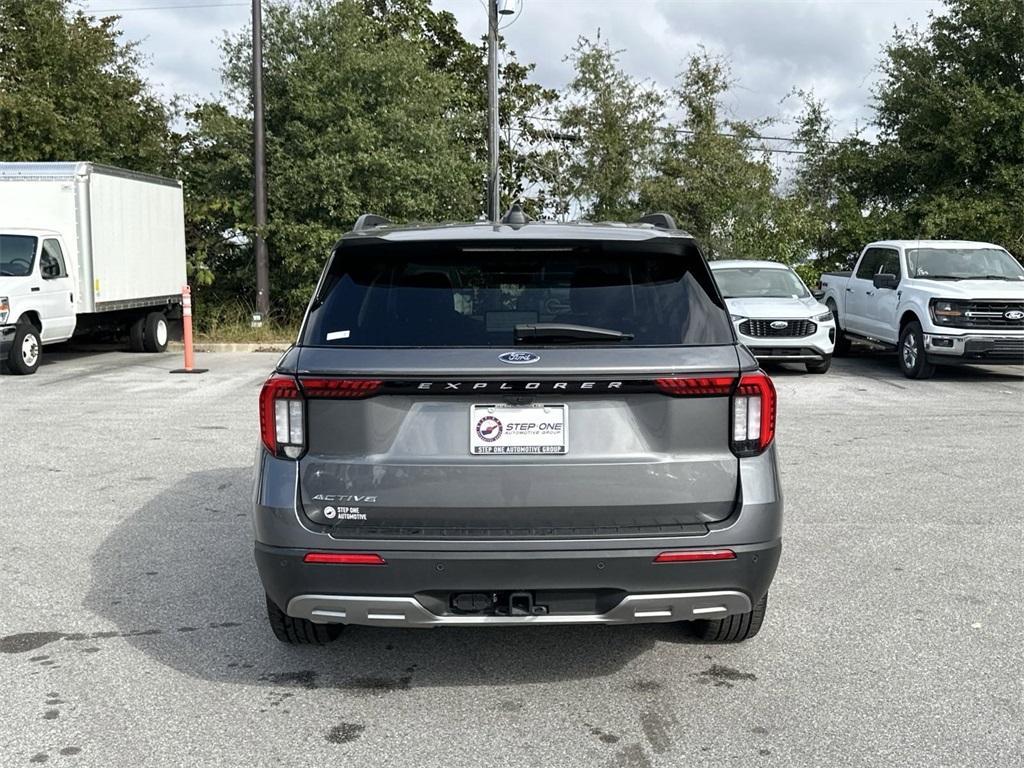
(849, 290)
(35, 289)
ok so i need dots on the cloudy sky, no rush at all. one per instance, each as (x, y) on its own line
(830, 46)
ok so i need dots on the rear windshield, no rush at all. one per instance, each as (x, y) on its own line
(17, 253)
(475, 294)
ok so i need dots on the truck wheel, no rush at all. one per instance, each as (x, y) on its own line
(26, 350)
(821, 366)
(137, 335)
(733, 629)
(154, 339)
(910, 353)
(842, 346)
(299, 631)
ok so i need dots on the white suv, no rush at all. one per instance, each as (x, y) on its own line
(775, 315)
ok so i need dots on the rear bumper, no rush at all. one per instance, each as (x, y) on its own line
(6, 341)
(409, 612)
(974, 348)
(609, 586)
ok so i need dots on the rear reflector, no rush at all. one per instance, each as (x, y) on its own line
(681, 386)
(695, 555)
(343, 558)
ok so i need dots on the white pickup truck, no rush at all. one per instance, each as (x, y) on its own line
(86, 248)
(934, 301)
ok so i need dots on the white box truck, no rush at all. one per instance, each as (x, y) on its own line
(87, 248)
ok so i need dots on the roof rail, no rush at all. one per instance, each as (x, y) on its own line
(369, 221)
(659, 220)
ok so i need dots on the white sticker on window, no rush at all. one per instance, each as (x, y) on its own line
(334, 335)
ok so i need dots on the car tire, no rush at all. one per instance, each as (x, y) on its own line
(26, 350)
(842, 346)
(733, 629)
(820, 366)
(294, 631)
(154, 339)
(910, 353)
(137, 335)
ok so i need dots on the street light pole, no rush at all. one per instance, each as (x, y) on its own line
(493, 171)
(259, 164)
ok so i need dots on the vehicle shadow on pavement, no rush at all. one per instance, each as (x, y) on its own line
(178, 580)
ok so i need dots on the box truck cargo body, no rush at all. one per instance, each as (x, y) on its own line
(85, 247)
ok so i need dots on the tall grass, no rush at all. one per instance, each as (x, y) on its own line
(230, 322)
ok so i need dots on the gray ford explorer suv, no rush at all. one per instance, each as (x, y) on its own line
(517, 424)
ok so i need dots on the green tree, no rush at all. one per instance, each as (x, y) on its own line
(950, 114)
(614, 119)
(71, 89)
(363, 113)
(710, 177)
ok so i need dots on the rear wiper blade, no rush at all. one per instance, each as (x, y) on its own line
(567, 332)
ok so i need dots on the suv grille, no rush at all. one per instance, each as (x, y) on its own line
(763, 328)
(991, 314)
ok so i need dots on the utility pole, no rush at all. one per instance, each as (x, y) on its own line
(493, 171)
(259, 163)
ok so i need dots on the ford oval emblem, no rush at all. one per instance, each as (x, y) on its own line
(780, 324)
(1014, 314)
(519, 358)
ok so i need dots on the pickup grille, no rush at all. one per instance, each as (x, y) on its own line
(991, 314)
(763, 328)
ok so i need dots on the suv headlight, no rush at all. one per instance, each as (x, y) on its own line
(5, 309)
(737, 318)
(825, 317)
(946, 312)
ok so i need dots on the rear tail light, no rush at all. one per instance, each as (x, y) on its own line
(344, 558)
(282, 417)
(753, 414)
(695, 555)
(283, 408)
(752, 426)
(681, 386)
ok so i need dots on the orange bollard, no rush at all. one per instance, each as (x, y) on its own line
(186, 326)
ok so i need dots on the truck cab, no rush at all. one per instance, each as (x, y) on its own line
(934, 301)
(37, 294)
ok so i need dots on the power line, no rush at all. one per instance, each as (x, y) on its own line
(688, 132)
(179, 6)
(555, 136)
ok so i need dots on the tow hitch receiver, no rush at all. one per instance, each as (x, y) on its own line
(498, 604)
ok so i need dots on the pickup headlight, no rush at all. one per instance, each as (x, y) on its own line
(825, 317)
(5, 309)
(946, 312)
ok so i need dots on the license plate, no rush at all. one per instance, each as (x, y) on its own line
(513, 429)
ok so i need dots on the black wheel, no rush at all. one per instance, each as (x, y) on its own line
(910, 353)
(299, 631)
(820, 366)
(733, 629)
(154, 338)
(136, 335)
(842, 347)
(26, 350)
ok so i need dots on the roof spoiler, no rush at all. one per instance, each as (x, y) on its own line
(659, 220)
(369, 221)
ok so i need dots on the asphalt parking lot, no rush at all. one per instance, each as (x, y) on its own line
(132, 629)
